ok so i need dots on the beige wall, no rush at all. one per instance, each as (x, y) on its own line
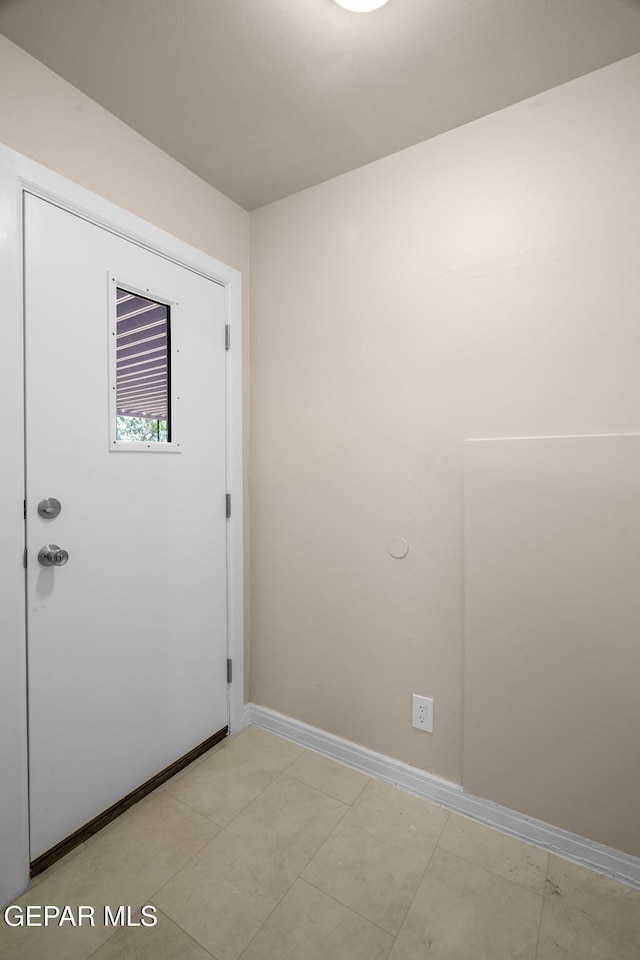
(552, 620)
(482, 284)
(45, 118)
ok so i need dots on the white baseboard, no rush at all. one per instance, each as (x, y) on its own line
(570, 846)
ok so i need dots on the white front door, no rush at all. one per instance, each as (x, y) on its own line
(127, 640)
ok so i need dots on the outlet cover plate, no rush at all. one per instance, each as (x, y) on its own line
(422, 713)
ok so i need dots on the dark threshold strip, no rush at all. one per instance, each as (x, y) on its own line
(60, 850)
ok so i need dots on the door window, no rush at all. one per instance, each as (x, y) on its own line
(143, 377)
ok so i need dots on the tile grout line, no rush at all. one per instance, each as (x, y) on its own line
(298, 877)
(222, 829)
(191, 809)
(304, 867)
(347, 803)
(313, 753)
(350, 909)
(419, 884)
(88, 956)
(347, 807)
(279, 774)
(194, 855)
(365, 784)
(266, 919)
(260, 792)
(353, 910)
(498, 876)
(249, 802)
(193, 765)
(472, 862)
(238, 812)
(330, 834)
(446, 821)
(181, 868)
(186, 933)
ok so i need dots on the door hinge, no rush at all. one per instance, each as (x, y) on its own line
(24, 558)
(229, 671)
(24, 502)
(227, 337)
(228, 505)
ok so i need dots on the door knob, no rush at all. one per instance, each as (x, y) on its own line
(52, 556)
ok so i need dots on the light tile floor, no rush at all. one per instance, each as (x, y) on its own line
(262, 850)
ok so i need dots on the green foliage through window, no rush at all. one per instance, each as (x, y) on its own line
(141, 430)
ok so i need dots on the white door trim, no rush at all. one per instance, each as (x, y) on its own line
(20, 175)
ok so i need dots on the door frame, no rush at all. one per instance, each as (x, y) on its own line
(20, 175)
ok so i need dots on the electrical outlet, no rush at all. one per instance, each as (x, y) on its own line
(422, 713)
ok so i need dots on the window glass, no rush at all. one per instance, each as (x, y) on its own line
(143, 374)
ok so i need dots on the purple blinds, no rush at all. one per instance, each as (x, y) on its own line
(142, 364)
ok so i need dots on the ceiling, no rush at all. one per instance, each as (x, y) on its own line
(262, 98)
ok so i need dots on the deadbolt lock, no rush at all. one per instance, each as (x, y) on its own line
(51, 555)
(49, 508)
